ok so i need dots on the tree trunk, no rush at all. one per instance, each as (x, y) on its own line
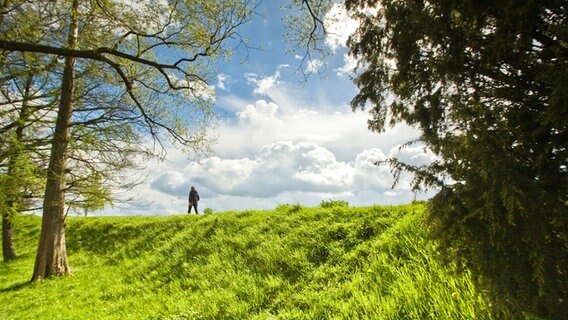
(8, 250)
(51, 258)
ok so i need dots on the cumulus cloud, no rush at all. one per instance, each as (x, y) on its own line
(348, 67)
(285, 167)
(339, 26)
(258, 113)
(341, 131)
(280, 172)
(169, 182)
(263, 84)
(416, 155)
(278, 167)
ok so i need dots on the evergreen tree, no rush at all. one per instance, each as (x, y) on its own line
(485, 81)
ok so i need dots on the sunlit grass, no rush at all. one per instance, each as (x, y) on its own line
(289, 263)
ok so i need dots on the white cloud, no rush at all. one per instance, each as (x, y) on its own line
(263, 84)
(169, 182)
(416, 155)
(202, 90)
(258, 113)
(193, 89)
(339, 26)
(314, 66)
(230, 103)
(145, 15)
(279, 167)
(336, 128)
(280, 172)
(368, 175)
(348, 67)
(283, 172)
(222, 81)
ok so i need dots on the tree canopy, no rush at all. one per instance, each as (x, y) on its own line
(485, 81)
(148, 64)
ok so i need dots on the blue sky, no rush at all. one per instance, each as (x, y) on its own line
(281, 139)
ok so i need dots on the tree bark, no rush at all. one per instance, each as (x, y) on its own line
(51, 258)
(8, 250)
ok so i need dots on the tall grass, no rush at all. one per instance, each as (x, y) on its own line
(289, 263)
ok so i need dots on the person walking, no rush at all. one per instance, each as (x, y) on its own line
(193, 199)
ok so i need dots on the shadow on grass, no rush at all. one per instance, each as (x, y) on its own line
(16, 287)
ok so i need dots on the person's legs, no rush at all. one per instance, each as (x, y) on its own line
(195, 206)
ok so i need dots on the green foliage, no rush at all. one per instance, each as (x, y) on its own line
(365, 263)
(289, 208)
(22, 176)
(208, 211)
(485, 81)
(21, 181)
(140, 91)
(333, 203)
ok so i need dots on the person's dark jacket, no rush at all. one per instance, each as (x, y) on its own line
(193, 196)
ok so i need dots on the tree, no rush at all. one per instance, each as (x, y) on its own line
(158, 50)
(23, 133)
(17, 187)
(102, 145)
(485, 81)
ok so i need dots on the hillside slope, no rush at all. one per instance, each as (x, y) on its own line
(288, 263)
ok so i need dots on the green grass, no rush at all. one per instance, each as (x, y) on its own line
(335, 262)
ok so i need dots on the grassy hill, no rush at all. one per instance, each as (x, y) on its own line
(288, 263)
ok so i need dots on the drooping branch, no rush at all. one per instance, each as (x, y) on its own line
(316, 21)
(307, 34)
(101, 55)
